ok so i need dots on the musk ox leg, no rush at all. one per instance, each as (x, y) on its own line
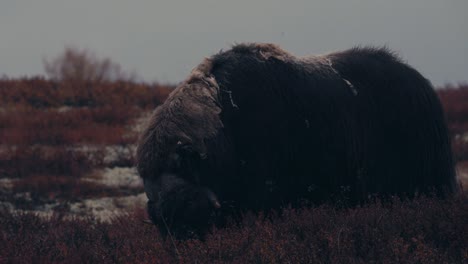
(179, 208)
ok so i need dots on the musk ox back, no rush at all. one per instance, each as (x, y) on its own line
(255, 128)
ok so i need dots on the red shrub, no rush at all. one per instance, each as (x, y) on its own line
(105, 125)
(424, 230)
(26, 161)
(455, 102)
(39, 93)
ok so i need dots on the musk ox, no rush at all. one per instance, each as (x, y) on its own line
(255, 128)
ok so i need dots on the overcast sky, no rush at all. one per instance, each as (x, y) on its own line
(163, 40)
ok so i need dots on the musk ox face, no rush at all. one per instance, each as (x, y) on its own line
(181, 209)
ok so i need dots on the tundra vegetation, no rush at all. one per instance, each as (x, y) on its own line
(58, 136)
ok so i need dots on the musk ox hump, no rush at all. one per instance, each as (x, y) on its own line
(263, 51)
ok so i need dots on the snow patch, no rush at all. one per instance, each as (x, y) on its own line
(141, 122)
(105, 209)
(117, 177)
(7, 183)
(102, 209)
(117, 152)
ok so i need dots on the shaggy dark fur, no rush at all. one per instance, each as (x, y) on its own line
(257, 128)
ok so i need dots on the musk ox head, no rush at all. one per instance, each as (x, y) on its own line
(179, 208)
(173, 141)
